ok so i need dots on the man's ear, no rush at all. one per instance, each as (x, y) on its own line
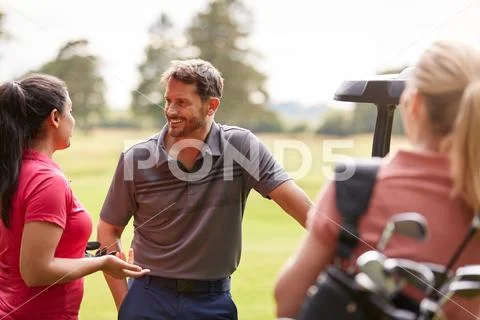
(54, 118)
(213, 104)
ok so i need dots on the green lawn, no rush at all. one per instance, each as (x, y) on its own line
(269, 236)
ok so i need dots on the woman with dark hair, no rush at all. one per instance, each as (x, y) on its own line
(44, 228)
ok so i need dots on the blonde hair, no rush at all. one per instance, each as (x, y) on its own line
(448, 76)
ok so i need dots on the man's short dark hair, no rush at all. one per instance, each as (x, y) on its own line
(203, 74)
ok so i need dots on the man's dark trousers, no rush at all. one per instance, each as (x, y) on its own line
(162, 299)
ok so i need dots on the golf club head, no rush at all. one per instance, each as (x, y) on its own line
(410, 224)
(476, 222)
(468, 289)
(468, 273)
(431, 309)
(411, 272)
(370, 263)
(366, 283)
(437, 269)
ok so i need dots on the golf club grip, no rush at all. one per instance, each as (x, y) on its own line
(93, 245)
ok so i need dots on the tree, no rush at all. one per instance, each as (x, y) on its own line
(80, 71)
(337, 123)
(3, 33)
(300, 127)
(161, 49)
(2, 18)
(220, 35)
(364, 117)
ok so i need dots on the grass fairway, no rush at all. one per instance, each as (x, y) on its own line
(269, 236)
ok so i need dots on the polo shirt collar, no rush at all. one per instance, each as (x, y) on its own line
(212, 141)
(30, 154)
(415, 158)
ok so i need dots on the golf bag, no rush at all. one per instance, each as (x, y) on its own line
(336, 295)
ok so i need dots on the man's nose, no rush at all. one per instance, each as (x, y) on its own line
(171, 110)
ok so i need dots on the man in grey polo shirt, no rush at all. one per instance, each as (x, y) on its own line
(186, 189)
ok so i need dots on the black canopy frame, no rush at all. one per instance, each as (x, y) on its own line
(385, 94)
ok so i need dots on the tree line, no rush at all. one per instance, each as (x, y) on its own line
(218, 34)
(361, 119)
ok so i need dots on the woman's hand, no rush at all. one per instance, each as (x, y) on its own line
(119, 267)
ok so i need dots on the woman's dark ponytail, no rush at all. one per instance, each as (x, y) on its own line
(24, 106)
(13, 114)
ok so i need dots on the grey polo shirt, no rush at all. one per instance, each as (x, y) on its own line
(188, 224)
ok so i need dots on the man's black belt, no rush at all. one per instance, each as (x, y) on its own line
(188, 285)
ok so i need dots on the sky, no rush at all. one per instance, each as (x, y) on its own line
(307, 47)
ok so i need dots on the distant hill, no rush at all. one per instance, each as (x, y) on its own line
(294, 113)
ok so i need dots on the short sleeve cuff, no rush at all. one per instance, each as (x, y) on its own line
(109, 219)
(46, 218)
(269, 185)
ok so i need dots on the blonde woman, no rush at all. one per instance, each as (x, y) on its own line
(439, 178)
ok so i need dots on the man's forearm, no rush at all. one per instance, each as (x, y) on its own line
(118, 288)
(293, 200)
(299, 209)
(109, 237)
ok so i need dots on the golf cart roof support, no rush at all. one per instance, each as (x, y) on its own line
(385, 94)
(383, 130)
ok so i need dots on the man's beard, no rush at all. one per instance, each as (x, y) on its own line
(189, 127)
